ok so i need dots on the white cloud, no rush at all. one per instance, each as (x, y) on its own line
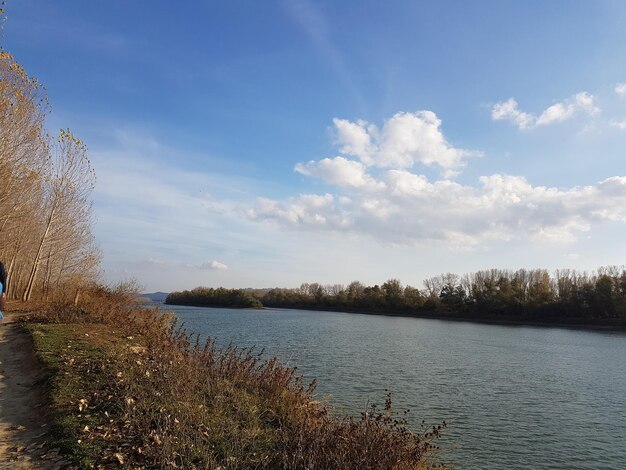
(215, 265)
(619, 124)
(218, 266)
(340, 171)
(155, 218)
(305, 210)
(620, 89)
(508, 110)
(399, 205)
(356, 139)
(582, 102)
(413, 209)
(404, 141)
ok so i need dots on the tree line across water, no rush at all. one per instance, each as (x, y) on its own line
(220, 297)
(495, 293)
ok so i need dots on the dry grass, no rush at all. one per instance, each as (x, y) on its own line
(160, 399)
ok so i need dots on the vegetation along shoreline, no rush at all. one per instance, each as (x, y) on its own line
(116, 384)
(524, 297)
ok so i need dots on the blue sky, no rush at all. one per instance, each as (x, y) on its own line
(273, 143)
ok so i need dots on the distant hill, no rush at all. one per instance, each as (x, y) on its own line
(156, 296)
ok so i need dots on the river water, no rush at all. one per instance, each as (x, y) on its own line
(514, 397)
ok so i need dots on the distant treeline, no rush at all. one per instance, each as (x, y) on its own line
(208, 297)
(495, 293)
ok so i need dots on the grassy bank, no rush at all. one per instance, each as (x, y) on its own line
(129, 389)
(81, 390)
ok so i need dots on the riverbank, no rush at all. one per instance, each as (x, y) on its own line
(125, 387)
(574, 323)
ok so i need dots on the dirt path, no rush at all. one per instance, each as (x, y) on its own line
(23, 428)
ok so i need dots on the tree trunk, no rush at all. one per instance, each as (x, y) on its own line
(33, 272)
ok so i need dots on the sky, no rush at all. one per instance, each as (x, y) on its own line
(264, 144)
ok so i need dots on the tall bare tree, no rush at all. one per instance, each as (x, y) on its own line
(45, 210)
(66, 211)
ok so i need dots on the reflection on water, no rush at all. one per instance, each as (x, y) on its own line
(513, 397)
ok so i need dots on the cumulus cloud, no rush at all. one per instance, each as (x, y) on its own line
(582, 102)
(509, 111)
(218, 266)
(620, 89)
(378, 193)
(340, 171)
(413, 209)
(404, 140)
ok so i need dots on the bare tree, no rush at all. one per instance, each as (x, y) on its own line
(67, 208)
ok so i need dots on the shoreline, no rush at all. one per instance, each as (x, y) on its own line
(119, 393)
(609, 325)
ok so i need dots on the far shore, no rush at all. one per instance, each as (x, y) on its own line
(570, 323)
(574, 323)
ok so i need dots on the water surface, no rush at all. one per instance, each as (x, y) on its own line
(514, 397)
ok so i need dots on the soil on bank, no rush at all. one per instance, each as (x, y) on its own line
(23, 403)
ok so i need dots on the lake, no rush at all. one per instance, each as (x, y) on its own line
(514, 397)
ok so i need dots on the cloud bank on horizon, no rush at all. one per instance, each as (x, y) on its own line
(377, 188)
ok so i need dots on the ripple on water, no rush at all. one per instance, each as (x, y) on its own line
(513, 397)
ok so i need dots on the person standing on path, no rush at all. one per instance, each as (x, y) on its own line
(3, 287)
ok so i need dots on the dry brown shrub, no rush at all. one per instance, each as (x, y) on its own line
(185, 404)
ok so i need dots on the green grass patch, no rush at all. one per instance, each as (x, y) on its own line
(79, 359)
